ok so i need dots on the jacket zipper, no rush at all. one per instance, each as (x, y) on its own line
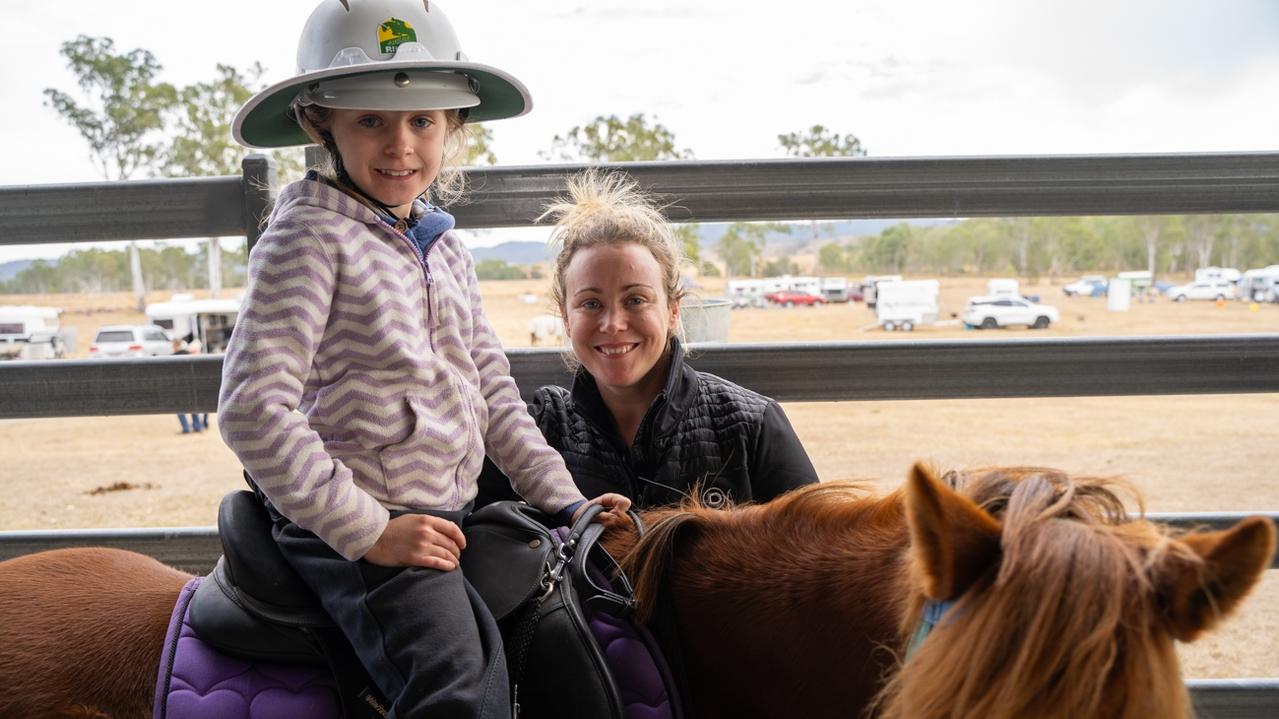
(628, 453)
(401, 228)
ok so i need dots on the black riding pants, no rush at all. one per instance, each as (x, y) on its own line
(424, 635)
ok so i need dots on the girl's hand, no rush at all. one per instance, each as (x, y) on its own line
(615, 509)
(418, 540)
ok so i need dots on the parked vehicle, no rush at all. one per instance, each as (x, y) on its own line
(130, 341)
(989, 313)
(1260, 284)
(790, 298)
(1216, 290)
(209, 321)
(31, 332)
(1140, 282)
(1217, 274)
(905, 305)
(1086, 286)
(870, 287)
(835, 289)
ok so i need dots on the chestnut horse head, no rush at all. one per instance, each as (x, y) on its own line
(1064, 605)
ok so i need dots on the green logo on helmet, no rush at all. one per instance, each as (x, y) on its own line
(392, 33)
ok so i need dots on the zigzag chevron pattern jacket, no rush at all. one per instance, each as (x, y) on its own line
(363, 376)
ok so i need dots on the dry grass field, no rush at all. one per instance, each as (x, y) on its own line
(1183, 453)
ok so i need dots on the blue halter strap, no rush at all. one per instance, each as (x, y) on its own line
(934, 611)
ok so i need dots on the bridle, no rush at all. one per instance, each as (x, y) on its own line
(934, 612)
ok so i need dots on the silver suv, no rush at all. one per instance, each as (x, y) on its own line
(130, 341)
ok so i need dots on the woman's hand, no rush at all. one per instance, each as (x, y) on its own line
(418, 540)
(615, 509)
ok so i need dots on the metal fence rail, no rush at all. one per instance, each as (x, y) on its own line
(697, 192)
(801, 372)
(1235, 698)
(196, 549)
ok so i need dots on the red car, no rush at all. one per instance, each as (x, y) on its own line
(790, 298)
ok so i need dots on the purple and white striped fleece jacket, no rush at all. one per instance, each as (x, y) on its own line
(357, 380)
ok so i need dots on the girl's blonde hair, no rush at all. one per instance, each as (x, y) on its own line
(449, 186)
(609, 209)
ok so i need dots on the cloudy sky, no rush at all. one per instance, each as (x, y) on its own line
(908, 77)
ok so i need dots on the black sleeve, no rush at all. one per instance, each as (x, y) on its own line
(780, 462)
(493, 484)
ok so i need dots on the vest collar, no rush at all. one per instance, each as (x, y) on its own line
(667, 409)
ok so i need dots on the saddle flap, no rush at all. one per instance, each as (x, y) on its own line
(509, 550)
(253, 562)
(221, 621)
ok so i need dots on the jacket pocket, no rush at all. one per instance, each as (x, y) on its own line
(422, 469)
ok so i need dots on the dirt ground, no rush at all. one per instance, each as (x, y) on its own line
(1184, 453)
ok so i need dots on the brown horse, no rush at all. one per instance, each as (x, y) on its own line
(1064, 605)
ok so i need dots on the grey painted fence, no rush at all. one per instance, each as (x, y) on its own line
(196, 549)
(801, 372)
(697, 192)
(708, 192)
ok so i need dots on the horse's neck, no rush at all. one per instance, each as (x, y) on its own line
(813, 604)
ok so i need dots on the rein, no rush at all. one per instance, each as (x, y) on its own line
(934, 612)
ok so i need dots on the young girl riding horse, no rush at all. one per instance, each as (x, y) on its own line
(363, 384)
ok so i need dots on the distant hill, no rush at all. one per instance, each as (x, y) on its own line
(514, 253)
(525, 253)
(9, 270)
(802, 233)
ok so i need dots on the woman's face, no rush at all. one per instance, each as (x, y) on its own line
(619, 318)
(393, 156)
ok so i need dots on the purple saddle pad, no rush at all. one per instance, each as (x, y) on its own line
(644, 680)
(197, 682)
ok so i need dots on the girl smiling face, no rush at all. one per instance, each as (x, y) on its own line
(619, 319)
(392, 156)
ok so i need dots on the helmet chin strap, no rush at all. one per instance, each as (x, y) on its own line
(344, 178)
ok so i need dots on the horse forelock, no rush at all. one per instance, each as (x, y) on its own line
(1072, 599)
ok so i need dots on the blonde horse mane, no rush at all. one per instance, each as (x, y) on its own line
(1065, 623)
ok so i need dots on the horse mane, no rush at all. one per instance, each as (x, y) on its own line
(1071, 598)
(791, 524)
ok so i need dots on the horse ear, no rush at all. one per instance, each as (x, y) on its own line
(1199, 595)
(953, 539)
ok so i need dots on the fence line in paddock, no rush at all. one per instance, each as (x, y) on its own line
(709, 192)
(790, 372)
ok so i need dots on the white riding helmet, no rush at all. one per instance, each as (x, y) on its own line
(378, 55)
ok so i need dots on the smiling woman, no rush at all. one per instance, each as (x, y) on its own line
(638, 420)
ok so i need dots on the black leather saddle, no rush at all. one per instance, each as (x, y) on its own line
(254, 606)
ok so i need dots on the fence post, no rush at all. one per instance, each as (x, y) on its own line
(258, 187)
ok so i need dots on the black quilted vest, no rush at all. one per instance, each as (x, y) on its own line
(701, 431)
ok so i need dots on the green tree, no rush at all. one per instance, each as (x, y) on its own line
(817, 141)
(478, 149)
(741, 247)
(497, 270)
(612, 139)
(889, 251)
(204, 145)
(832, 257)
(779, 267)
(121, 118)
